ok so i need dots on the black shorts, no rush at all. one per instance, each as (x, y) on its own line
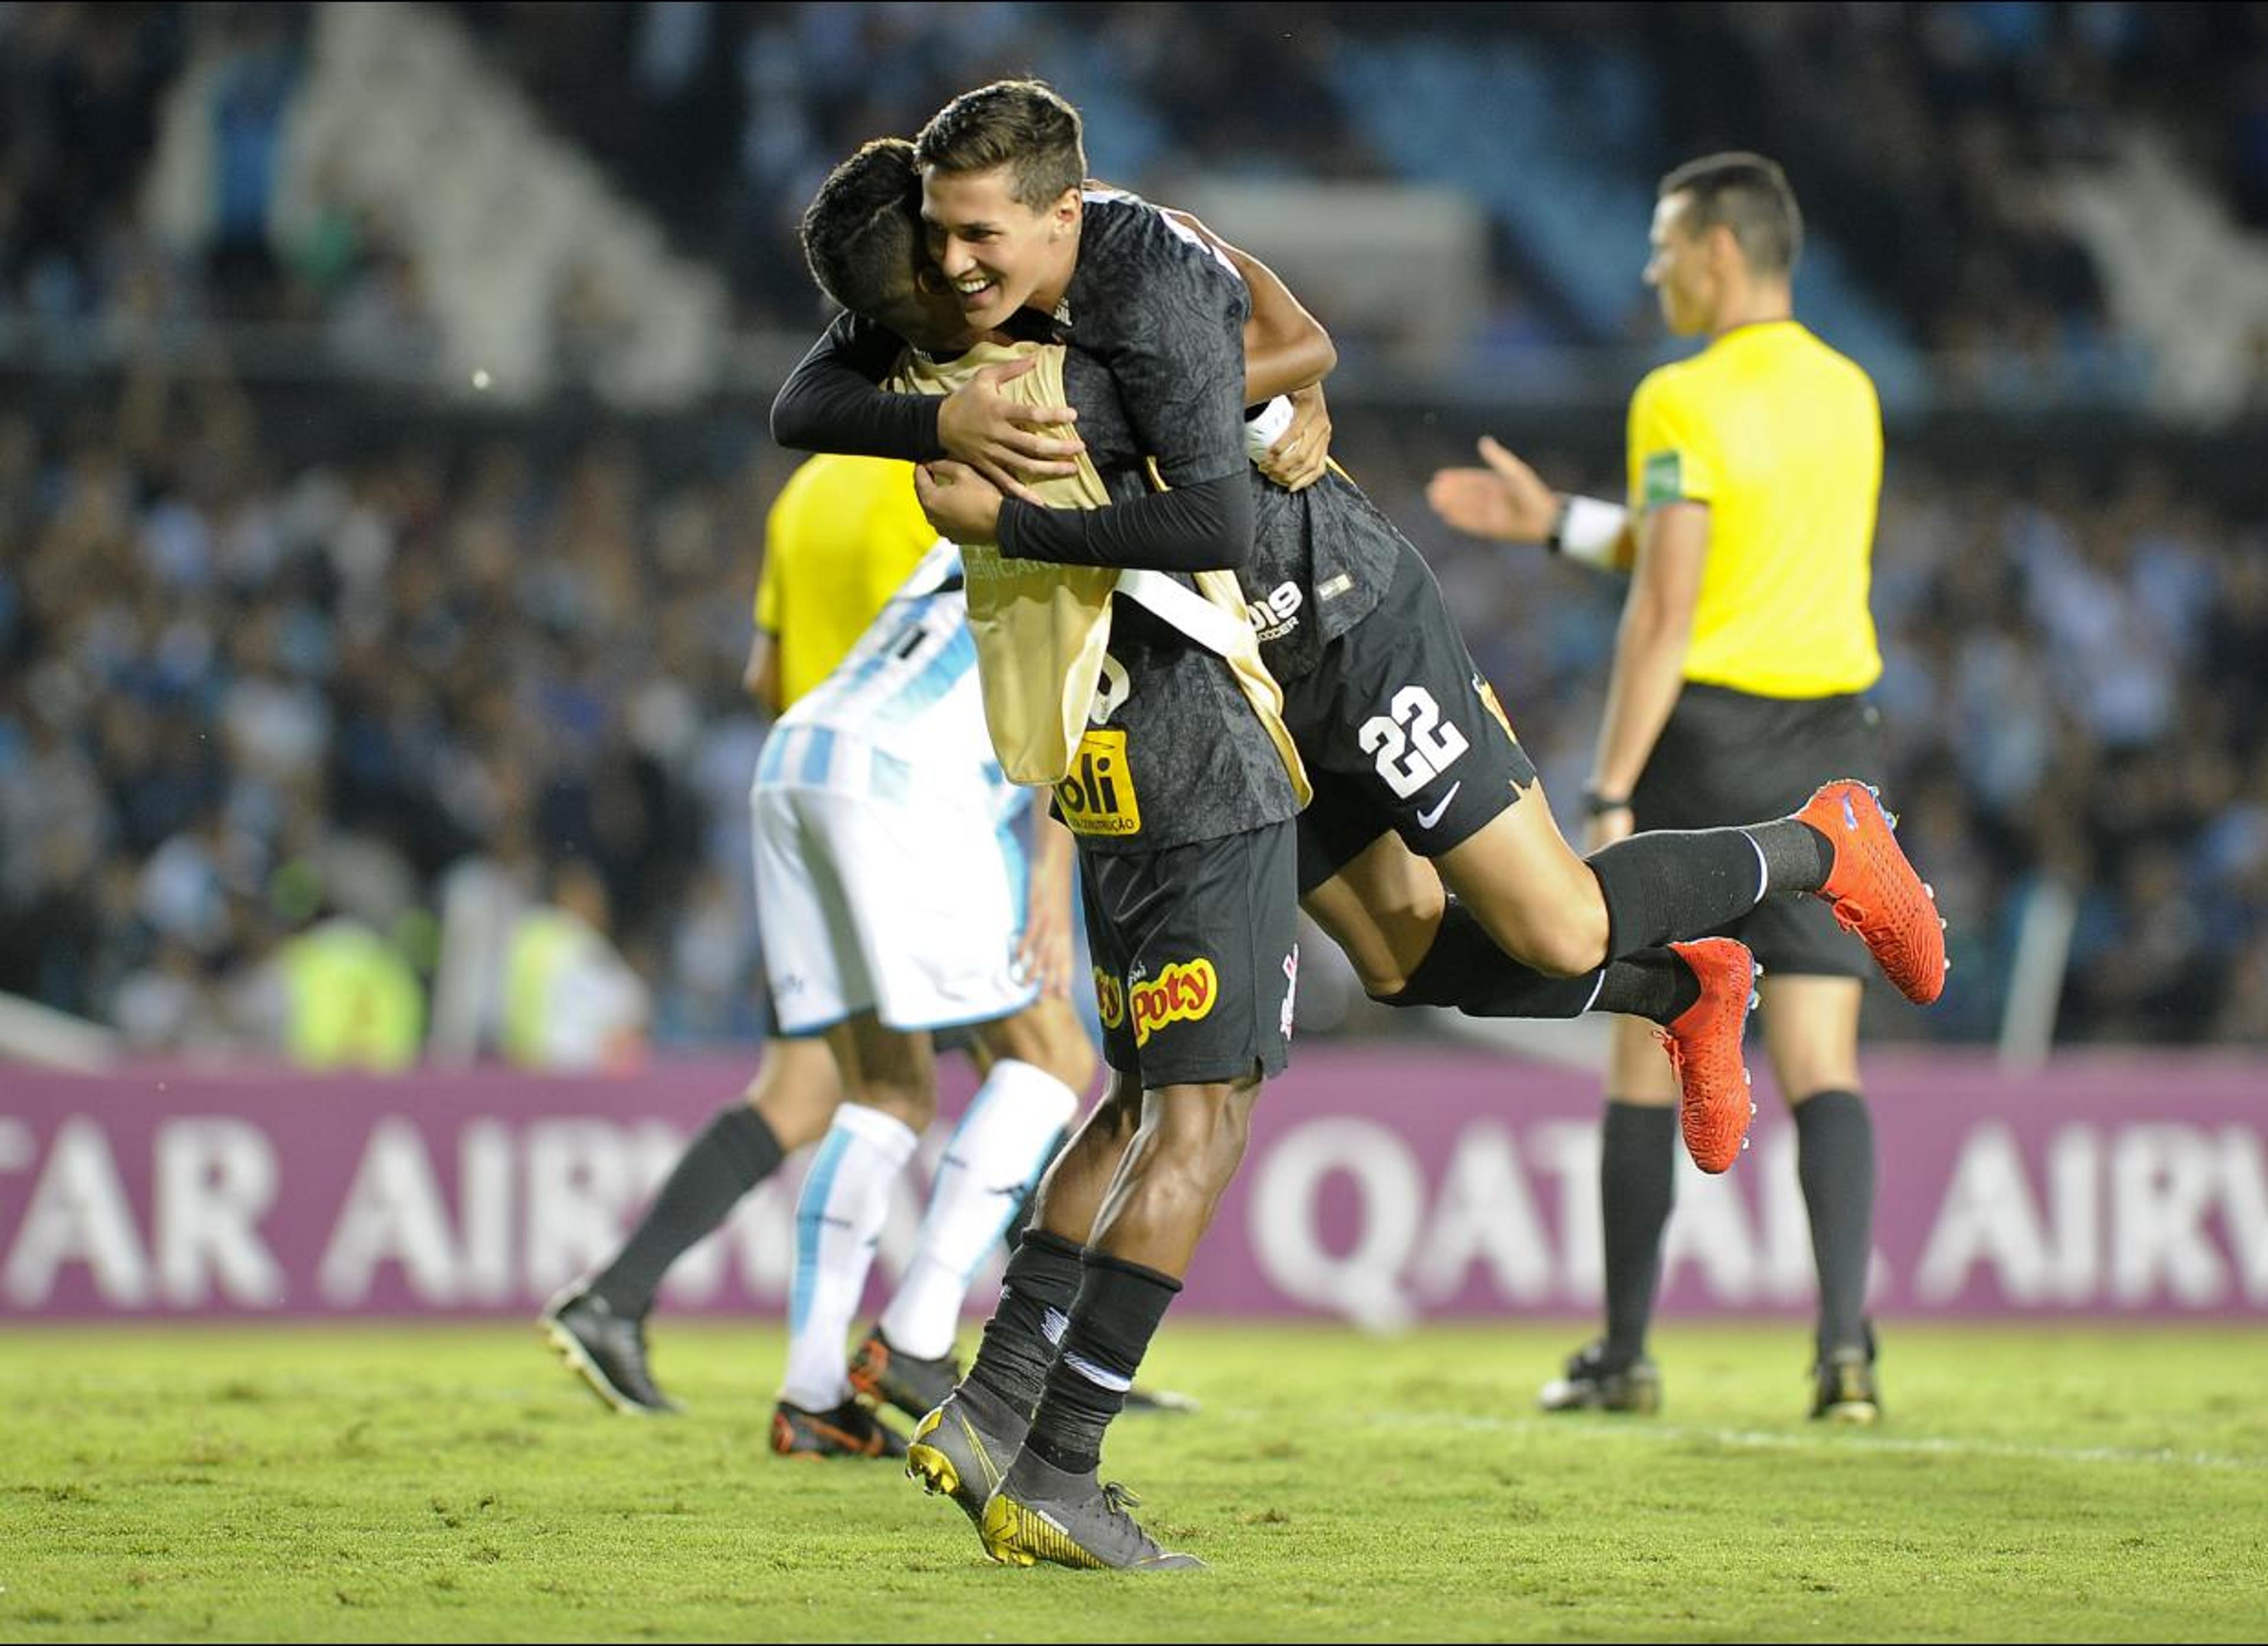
(1399, 732)
(1196, 956)
(1728, 757)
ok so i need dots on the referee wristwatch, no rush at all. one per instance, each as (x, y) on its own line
(1596, 804)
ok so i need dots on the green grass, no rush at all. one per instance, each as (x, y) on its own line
(414, 1482)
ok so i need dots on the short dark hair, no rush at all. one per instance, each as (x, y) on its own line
(1022, 124)
(862, 230)
(1750, 195)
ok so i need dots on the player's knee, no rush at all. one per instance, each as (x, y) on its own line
(1564, 940)
(1570, 951)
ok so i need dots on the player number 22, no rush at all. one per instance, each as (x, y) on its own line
(1415, 746)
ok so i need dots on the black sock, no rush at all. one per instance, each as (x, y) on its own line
(1465, 969)
(1638, 1183)
(1653, 984)
(734, 1152)
(1797, 856)
(1119, 1309)
(1671, 884)
(1036, 1295)
(1835, 1161)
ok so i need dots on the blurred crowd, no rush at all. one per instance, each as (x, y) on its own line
(238, 702)
(91, 258)
(459, 712)
(235, 700)
(1924, 130)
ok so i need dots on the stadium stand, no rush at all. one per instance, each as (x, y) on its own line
(272, 593)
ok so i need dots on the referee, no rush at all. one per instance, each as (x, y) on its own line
(1745, 645)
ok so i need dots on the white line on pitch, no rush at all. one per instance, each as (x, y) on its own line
(1763, 1440)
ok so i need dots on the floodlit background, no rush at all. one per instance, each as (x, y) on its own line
(383, 464)
(383, 474)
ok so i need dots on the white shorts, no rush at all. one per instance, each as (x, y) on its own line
(911, 912)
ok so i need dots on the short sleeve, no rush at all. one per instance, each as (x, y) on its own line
(1672, 456)
(768, 577)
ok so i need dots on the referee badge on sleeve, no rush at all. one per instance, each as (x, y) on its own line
(1662, 478)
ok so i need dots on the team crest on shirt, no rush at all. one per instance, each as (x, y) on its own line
(1183, 993)
(1098, 797)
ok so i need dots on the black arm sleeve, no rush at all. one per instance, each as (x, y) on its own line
(830, 401)
(1203, 527)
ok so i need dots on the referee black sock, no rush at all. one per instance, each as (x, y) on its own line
(1835, 1161)
(1671, 884)
(1637, 1184)
(733, 1153)
(1036, 1295)
(1120, 1307)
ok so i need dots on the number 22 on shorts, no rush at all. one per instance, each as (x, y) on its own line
(1414, 745)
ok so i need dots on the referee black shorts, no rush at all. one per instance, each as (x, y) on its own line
(1399, 732)
(1197, 956)
(1728, 757)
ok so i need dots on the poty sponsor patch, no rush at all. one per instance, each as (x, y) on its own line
(1183, 993)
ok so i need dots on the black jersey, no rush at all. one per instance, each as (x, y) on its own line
(1170, 714)
(1164, 314)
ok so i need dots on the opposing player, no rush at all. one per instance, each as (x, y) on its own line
(892, 895)
(841, 535)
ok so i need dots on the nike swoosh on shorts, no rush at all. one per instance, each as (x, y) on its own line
(1426, 819)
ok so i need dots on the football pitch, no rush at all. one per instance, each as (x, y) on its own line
(443, 1482)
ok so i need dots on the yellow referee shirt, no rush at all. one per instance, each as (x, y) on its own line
(1782, 437)
(844, 534)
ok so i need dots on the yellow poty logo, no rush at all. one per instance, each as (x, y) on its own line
(1109, 999)
(1183, 993)
(1098, 797)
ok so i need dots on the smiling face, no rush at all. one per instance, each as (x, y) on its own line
(997, 255)
(921, 309)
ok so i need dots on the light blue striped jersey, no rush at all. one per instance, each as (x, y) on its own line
(902, 715)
